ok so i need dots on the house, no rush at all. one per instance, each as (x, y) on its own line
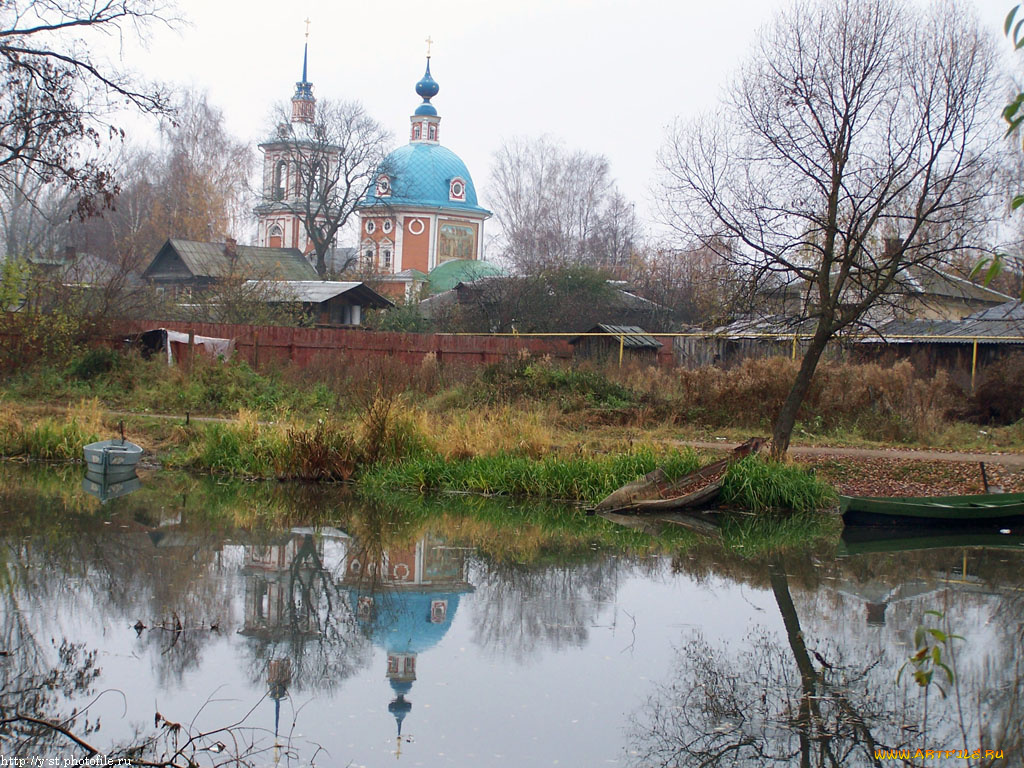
(616, 343)
(528, 304)
(330, 303)
(182, 267)
(918, 293)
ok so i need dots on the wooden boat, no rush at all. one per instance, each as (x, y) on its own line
(654, 492)
(1000, 510)
(112, 453)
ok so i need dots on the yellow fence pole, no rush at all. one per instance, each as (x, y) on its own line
(794, 346)
(622, 344)
(974, 362)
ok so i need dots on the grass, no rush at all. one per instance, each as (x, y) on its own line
(583, 479)
(51, 438)
(753, 484)
(250, 448)
(530, 406)
(759, 485)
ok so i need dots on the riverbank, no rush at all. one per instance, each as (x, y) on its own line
(579, 471)
(524, 427)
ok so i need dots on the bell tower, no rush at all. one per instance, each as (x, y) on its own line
(279, 224)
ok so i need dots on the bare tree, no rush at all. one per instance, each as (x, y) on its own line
(851, 146)
(58, 96)
(558, 208)
(695, 285)
(330, 163)
(194, 185)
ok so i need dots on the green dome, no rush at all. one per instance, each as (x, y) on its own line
(446, 276)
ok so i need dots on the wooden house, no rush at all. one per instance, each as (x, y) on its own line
(184, 267)
(615, 343)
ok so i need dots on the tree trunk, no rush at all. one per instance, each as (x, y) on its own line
(786, 419)
(321, 264)
(808, 712)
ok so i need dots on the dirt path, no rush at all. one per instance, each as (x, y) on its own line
(1015, 460)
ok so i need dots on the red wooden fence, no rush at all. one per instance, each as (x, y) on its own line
(259, 345)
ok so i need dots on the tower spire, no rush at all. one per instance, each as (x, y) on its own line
(303, 102)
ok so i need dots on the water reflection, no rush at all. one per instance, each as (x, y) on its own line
(824, 691)
(374, 630)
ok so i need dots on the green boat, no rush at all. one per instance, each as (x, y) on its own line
(861, 540)
(1000, 510)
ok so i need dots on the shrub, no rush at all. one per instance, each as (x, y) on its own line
(93, 362)
(388, 431)
(999, 396)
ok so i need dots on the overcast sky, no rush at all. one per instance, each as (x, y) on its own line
(603, 76)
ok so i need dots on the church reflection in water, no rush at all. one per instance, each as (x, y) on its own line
(405, 599)
(402, 598)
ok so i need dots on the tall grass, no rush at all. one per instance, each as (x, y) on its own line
(51, 438)
(249, 448)
(572, 478)
(759, 485)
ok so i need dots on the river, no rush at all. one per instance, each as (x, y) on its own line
(294, 625)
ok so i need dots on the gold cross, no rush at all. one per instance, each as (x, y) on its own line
(307, 28)
(428, 42)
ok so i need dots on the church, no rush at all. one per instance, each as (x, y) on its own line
(420, 211)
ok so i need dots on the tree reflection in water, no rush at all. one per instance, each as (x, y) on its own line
(828, 697)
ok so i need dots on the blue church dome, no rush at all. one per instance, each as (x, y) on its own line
(402, 623)
(421, 174)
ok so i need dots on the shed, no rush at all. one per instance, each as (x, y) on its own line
(606, 342)
(329, 302)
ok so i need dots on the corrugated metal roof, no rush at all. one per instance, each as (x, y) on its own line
(255, 262)
(318, 291)
(632, 336)
(1009, 311)
(938, 283)
(997, 325)
(758, 326)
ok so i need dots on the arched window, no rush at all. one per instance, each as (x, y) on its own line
(319, 176)
(432, 132)
(387, 249)
(280, 179)
(416, 132)
(275, 237)
(368, 254)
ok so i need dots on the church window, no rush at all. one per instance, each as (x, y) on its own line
(385, 259)
(371, 226)
(280, 174)
(416, 132)
(416, 227)
(386, 226)
(369, 251)
(275, 237)
(457, 189)
(383, 186)
(319, 175)
(432, 132)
